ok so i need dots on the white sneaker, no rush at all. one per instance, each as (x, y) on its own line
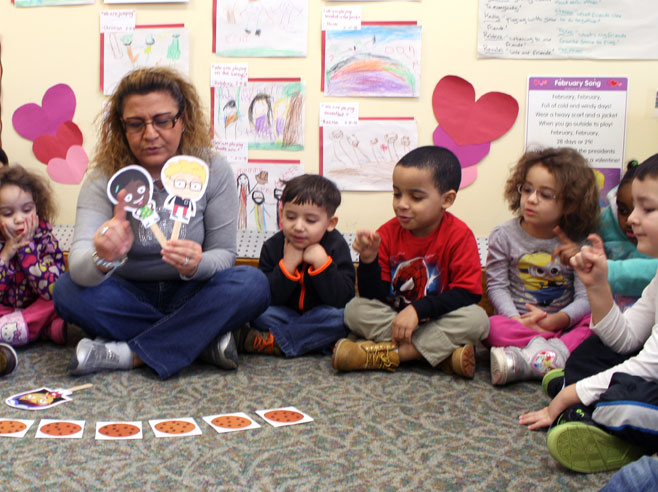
(91, 356)
(510, 364)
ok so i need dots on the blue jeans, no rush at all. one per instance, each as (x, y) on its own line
(167, 324)
(641, 475)
(315, 330)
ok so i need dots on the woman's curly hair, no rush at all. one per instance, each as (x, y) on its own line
(112, 150)
(36, 185)
(576, 188)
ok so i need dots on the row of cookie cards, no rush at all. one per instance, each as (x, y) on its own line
(176, 427)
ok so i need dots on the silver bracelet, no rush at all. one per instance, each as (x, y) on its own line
(104, 264)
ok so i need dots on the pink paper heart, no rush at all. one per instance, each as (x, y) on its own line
(71, 169)
(468, 176)
(46, 147)
(471, 122)
(57, 106)
(467, 155)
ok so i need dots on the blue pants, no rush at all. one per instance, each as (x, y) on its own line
(167, 324)
(315, 330)
(639, 476)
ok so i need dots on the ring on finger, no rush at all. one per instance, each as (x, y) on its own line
(104, 230)
(187, 260)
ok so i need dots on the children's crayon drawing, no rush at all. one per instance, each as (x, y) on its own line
(143, 47)
(138, 185)
(260, 184)
(362, 157)
(262, 28)
(376, 61)
(185, 178)
(267, 114)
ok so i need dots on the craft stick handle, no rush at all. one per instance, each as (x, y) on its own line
(176, 229)
(81, 387)
(157, 232)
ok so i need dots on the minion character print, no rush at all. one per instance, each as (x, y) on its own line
(542, 277)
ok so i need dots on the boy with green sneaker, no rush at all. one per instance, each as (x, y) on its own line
(419, 277)
(310, 271)
(610, 416)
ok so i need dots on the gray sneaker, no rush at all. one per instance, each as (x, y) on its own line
(91, 356)
(510, 364)
(222, 352)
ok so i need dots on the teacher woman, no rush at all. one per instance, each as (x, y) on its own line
(144, 303)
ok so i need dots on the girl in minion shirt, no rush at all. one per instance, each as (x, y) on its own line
(542, 312)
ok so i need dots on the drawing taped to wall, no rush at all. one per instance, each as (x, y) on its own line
(144, 47)
(362, 157)
(378, 60)
(260, 184)
(268, 113)
(264, 28)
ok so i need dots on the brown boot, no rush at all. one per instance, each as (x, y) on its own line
(258, 342)
(461, 362)
(364, 354)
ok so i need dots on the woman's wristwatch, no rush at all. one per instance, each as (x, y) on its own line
(106, 265)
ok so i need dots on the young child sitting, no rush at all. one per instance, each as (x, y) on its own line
(609, 417)
(419, 277)
(30, 259)
(310, 271)
(629, 271)
(541, 308)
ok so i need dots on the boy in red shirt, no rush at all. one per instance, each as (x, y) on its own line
(419, 277)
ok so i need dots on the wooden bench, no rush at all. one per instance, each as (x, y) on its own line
(250, 242)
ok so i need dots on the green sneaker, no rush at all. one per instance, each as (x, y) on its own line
(551, 376)
(587, 448)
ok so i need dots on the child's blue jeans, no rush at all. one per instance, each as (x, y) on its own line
(315, 330)
(167, 324)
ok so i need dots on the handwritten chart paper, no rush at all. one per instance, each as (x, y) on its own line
(601, 29)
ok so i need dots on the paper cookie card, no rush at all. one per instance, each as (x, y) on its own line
(180, 427)
(60, 429)
(106, 431)
(14, 427)
(279, 417)
(231, 422)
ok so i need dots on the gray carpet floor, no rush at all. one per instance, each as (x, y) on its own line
(415, 429)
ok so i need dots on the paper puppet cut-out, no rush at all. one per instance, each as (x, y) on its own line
(42, 398)
(185, 178)
(139, 198)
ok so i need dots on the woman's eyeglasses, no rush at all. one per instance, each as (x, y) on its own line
(159, 123)
(543, 195)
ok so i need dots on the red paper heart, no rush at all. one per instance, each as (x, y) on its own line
(46, 147)
(471, 122)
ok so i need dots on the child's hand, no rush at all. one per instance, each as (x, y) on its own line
(536, 420)
(566, 250)
(315, 255)
(14, 242)
(533, 318)
(404, 325)
(367, 245)
(292, 257)
(591, 264)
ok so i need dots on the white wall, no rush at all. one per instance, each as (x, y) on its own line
(50, 45)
